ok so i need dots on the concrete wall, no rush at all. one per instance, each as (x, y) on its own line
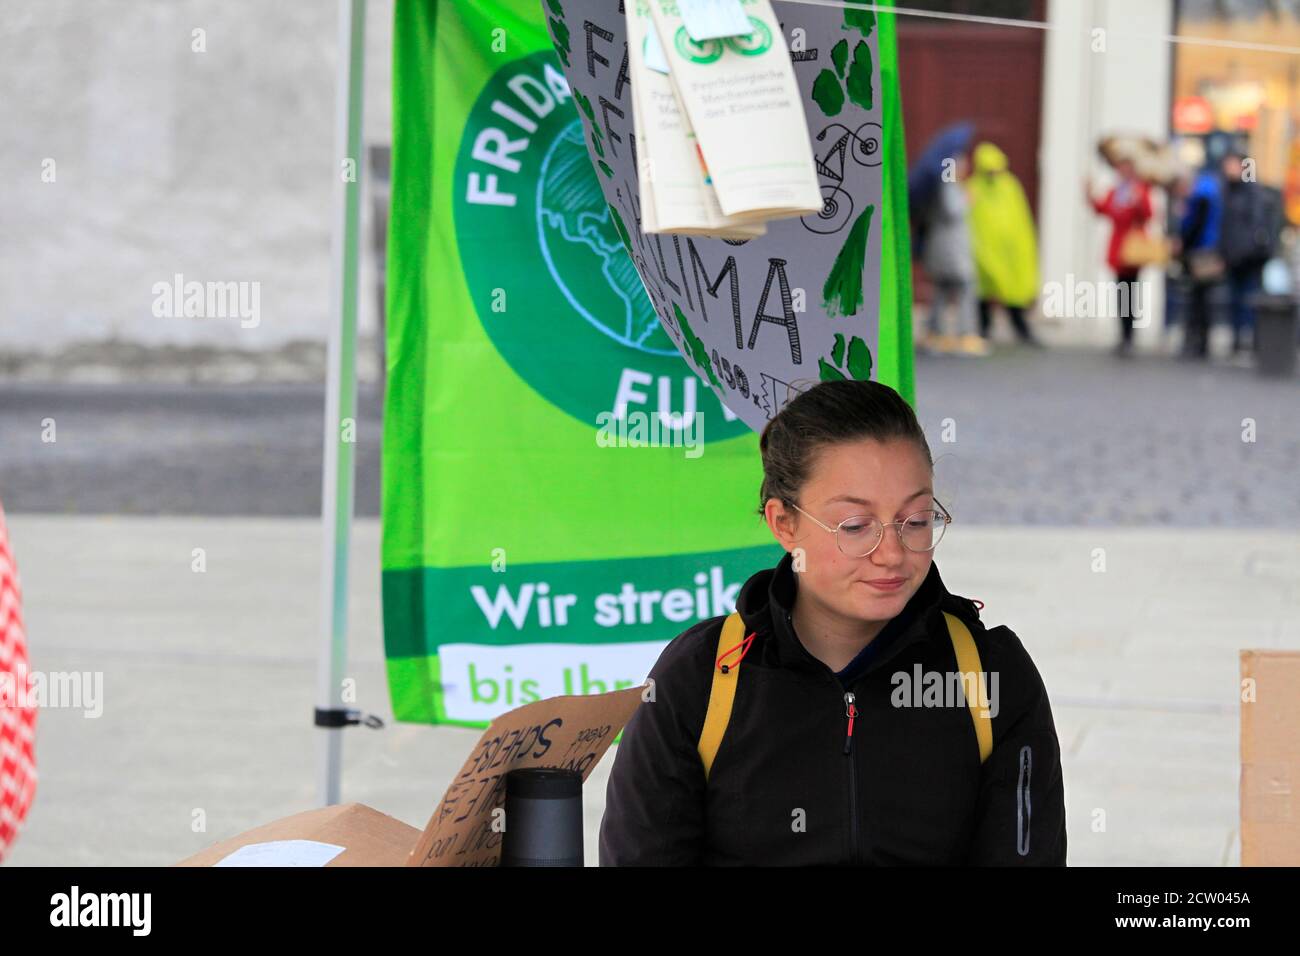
(216, 165)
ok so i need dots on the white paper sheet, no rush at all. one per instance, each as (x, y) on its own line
(714, 19)
(283, 853)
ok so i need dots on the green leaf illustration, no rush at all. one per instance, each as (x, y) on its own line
(698, 352)
(863, 20)
(842, 293)
(859, 360)
(621, 228)
(859, 81)
(829, 87)
(827, 93)
(559, 30)
(584, 104)
(828, 373)
(840, 57)
(859, 365)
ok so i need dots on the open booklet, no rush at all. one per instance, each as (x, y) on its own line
(723, 140)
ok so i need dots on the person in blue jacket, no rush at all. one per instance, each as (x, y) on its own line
(1198, 241)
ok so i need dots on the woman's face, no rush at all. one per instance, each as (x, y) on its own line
(889, 481)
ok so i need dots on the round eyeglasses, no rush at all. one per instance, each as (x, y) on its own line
(859, 535)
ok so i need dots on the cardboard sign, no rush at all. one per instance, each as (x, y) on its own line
(568, 732)
(1270, 759)
(366, 836)
(572, 733)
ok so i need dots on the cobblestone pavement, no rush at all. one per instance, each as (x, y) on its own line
(1080, 437)
(1056, 437)
(176, 449)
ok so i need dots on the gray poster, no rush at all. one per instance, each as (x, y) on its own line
(799, 304)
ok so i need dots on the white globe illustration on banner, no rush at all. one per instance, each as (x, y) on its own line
(580, 242)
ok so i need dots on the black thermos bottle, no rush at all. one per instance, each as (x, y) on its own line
(543, 818)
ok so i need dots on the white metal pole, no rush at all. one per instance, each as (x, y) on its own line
(340, 399)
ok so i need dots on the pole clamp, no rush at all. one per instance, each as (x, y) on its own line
(339, 717)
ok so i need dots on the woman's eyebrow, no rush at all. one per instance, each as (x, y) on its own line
(863, 501)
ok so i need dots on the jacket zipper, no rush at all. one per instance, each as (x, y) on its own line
(1022, 802)
(851, 711)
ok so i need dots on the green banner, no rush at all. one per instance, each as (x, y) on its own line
(562, 493)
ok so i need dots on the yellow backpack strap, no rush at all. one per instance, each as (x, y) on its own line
(968, 662)
(723, 693)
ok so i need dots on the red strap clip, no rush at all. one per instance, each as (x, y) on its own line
(743, 647)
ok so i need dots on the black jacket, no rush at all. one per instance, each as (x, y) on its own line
(782, 790)
(1252, 224)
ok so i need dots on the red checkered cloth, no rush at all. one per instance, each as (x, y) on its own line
(17, 723)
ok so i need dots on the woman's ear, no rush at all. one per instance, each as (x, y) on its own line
(781, 521)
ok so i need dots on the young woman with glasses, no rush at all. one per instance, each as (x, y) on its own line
(856, 728)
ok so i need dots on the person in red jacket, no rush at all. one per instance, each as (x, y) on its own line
(1128, 207)
(17, 713)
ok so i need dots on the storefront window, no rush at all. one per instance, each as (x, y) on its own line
(1003, 9)
(1236, 9)
(1240, 87)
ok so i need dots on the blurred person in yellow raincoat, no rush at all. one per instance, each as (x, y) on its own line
(1004, 240)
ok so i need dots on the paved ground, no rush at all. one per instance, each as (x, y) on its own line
(175, 449)
(1064, 437)
(1079, 437)
(209, 677)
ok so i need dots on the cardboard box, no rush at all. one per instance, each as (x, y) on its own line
(466, 828)
(1270, 758)
(368, 838)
